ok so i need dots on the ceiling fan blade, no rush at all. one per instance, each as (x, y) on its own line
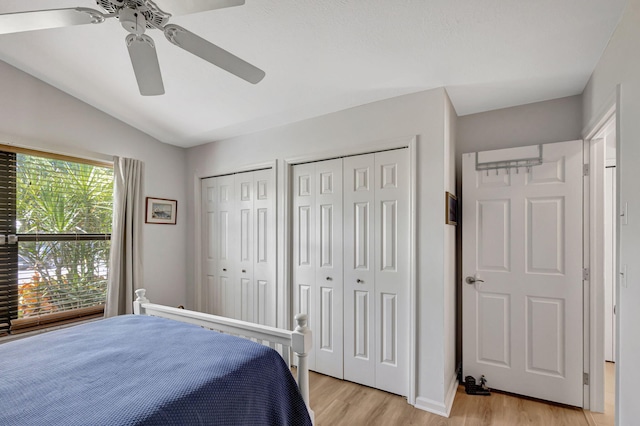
(185, 7)
(53, 18)
(144, 59)
(212, 53)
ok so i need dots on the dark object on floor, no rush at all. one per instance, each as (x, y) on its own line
(472, 388)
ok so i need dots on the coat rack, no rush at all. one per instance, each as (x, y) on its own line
(515, 163)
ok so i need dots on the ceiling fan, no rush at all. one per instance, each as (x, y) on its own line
(136, 16)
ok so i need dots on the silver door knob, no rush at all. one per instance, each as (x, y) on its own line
(473, 280)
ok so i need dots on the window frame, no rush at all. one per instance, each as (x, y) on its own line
(9, 297)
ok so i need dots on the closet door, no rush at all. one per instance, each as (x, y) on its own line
(304, 248)
(359, 270)
(209, 196)
(318, 267)
(392, 263)
(376, 269)
(351, 265)
(243, 235)
(329, 270)
(218, 224)
(239, 246)
(264, 290)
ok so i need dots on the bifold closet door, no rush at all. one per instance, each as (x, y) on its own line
(351, 265)
(318, 257)
(261, 301)
(218, 211)
(240, 263)
(359, 269)
(376, 269)
(392, 263)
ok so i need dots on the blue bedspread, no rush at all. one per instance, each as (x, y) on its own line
(139, 370)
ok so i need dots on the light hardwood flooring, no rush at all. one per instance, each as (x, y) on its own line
(336, 402)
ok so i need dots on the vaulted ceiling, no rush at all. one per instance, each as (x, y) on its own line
(322, 56)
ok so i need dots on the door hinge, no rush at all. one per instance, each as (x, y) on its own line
(585, 170)
(585, 378)
(585, 274)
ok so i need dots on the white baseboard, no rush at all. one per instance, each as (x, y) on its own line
(438, 407)
(451, 393)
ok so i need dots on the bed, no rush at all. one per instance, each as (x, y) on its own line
(160, 366)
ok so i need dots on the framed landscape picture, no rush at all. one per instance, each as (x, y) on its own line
(161, 210)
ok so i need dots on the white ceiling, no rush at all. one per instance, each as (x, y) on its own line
(322, 56)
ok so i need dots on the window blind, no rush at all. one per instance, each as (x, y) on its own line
(61, 212)
(8, 252)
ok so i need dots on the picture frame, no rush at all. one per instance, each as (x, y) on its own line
(450, 208)
(161, 211)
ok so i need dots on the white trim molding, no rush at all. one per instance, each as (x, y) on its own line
(436, 407)
(594, 393)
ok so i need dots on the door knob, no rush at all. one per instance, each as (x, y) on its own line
(329, 279)
(359, 281)
(473, 280)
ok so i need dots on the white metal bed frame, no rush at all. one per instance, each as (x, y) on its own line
(298, 340)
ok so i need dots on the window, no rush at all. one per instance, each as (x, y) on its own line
(55, 230)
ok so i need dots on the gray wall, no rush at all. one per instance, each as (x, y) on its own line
(556, 120)
(543, 122)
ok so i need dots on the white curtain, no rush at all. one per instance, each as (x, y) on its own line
(125, 261)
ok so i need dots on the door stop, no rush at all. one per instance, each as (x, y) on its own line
(472, 388)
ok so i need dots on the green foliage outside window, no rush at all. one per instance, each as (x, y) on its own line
(68, 198)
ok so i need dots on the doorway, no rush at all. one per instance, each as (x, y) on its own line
(603, 262)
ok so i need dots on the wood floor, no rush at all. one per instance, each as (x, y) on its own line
(337, 402)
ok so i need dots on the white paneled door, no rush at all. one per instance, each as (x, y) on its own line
(523, 245)
(360, 270)
(218, 243)
(239, 245)
(317, 259)
(262, 302)
(376, 271)
(351, 244)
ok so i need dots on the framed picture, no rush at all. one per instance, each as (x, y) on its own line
(161, 210)
(450, 209)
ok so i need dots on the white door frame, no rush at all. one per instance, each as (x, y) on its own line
(594, 257)
(288, 164)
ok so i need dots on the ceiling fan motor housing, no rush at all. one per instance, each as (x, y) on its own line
(153, 15)
(132, 20)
